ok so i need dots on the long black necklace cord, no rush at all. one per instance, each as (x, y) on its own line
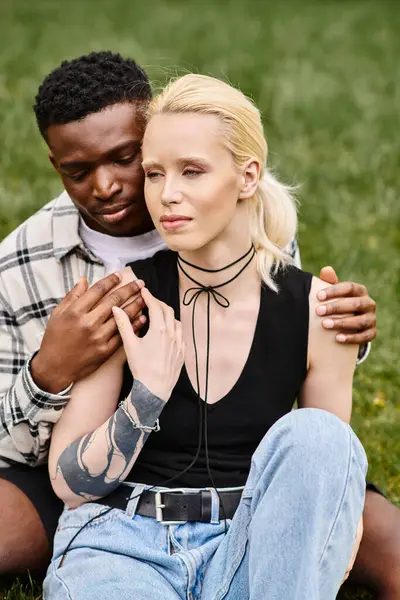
(191, 295)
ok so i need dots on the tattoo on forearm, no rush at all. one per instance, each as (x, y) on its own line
(94, 465)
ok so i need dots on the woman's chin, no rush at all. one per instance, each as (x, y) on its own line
(182, 245)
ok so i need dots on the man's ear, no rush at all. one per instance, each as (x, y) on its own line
(250, 178)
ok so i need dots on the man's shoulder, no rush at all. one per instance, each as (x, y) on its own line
(35, 235)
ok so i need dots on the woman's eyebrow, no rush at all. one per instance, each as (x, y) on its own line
(185, 160)
(147, 164)
(192, 159)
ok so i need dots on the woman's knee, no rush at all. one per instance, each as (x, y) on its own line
(315, 440)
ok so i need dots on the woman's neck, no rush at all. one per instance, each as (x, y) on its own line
(216, 256)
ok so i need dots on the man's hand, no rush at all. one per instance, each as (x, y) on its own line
(81, 333)
(352, 300)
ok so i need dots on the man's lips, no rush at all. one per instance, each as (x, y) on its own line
(115, 208)
(116, 213)
(170, 222)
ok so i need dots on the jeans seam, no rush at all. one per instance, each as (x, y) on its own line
(335, 520)
(235, 564)
(62, 582)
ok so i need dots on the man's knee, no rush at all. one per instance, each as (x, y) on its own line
(23, 540)
(377, 564)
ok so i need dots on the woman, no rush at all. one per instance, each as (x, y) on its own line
(233, 495)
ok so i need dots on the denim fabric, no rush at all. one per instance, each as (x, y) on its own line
(290, 539)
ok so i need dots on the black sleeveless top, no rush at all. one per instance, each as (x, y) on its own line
(265, 391)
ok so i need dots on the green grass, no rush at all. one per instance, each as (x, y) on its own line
(20, 591)
(326, 75)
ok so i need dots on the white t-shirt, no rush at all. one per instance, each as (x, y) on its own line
(116, 252)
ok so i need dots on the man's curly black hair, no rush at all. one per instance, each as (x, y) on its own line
(86, 85)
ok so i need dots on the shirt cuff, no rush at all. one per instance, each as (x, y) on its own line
(363, 353)
(41, 398)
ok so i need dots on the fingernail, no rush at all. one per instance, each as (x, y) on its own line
(321, 295)
(328, 323)
(340, 337)
(119, 275)
(321, 310)
(116, 311)
(140, 283)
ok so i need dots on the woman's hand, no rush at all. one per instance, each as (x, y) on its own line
(156, 359)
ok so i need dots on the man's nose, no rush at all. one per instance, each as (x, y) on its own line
(105, 185)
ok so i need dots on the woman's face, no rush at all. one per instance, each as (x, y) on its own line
(191, 185)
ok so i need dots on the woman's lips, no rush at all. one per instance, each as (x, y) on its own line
(174, 223)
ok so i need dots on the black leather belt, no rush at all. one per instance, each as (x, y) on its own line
(175, 506)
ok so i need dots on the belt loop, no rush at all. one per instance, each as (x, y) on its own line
(214, 506)
(134, 499)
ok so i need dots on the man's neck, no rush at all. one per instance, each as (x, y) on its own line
(145, 227)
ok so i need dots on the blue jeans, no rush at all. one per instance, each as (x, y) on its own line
(291, 537)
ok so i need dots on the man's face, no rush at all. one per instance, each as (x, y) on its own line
(99, 161)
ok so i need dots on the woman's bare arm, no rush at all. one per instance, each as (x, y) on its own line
(329, 380)
(95, 443)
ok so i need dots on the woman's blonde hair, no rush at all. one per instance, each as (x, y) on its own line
(273, 217)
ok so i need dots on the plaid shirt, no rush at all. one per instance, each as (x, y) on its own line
(39, 263)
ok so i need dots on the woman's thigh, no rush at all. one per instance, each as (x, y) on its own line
(90, 574)
(112, 557)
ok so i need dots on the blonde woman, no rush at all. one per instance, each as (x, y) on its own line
(195, 479)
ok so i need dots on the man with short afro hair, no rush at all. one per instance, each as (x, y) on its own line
(87, 85)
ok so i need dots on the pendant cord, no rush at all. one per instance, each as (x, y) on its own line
(191, 296)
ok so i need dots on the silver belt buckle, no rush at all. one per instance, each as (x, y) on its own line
(160, 506)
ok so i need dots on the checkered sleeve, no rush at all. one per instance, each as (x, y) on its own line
(27, 413)
(294, 251)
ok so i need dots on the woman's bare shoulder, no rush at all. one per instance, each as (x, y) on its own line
(320, 338)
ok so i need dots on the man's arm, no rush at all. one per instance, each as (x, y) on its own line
(26, 411)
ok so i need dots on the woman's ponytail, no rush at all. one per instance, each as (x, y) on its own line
(273, 225)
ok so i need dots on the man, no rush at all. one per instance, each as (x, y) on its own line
(90, 113)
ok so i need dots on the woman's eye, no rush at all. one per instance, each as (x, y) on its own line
(152, 175)
(192, 172)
